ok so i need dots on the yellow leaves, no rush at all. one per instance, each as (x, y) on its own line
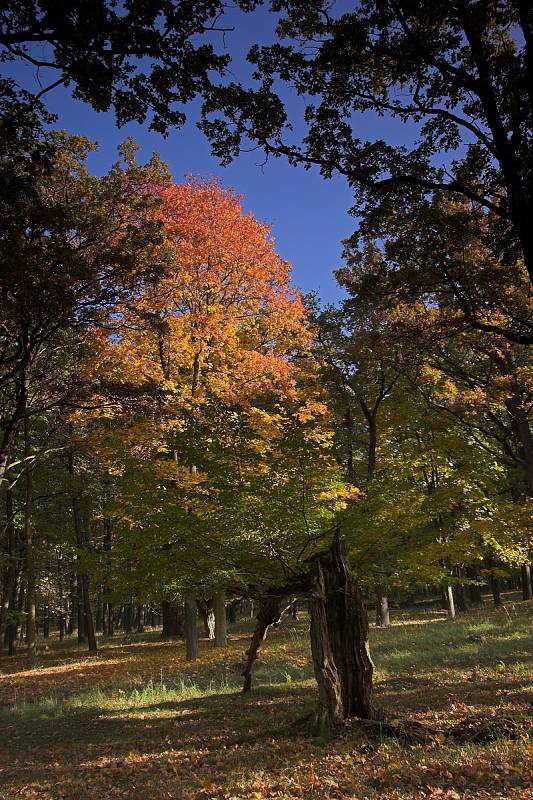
(344, 493)
(267, 425)
(310, 410)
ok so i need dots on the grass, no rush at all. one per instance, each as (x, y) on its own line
(138, 721)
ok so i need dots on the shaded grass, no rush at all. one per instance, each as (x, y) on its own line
(138, 721)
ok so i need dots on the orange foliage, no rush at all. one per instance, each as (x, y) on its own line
(222, 316)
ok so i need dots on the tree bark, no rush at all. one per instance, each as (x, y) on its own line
(140, 619)
(232, 611)
(339, 641)
(172, 615)
(269, 613)
(31, 589)
(474, 590)
(527, 588)
(83, 577)
(191, 629)
(382, 608)
(450, 603)
(60, 599)
(219, 607)
(294, 609)
(9, 582)
(80, 626)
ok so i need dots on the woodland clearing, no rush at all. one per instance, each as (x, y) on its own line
(138, 721)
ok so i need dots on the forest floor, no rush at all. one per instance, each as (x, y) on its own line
(137, 721)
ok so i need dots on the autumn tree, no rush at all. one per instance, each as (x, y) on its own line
(416, 278)
(361, 364)
(220, 321)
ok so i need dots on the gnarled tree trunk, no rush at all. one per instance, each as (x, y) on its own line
(339, 641)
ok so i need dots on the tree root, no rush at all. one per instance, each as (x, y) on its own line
(405, 730)
(471, 729)
(474, 729)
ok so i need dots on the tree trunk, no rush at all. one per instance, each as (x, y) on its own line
(60, 599)
(82, 636)
(269, 613)
(382, 608)
(99, 611)
(219, 607)
(28, 544)
(110, 620)
(232, 611)
(527, 588)
(474, 590)
(127, 619)
(15, 607)
(460, 595)
(294, 610)
(88, 614)
(46, 621)
(450, 604)
(83, 577)
(191, 629)
(207, 615)
(9, 582)
(172, 615)
(494, 584)
(73, 605)
(339, 641)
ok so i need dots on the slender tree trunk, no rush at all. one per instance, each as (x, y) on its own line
(82, 635)
(527, 588)
(294, 609)
(191, 629)
(110, 620)
(495, 585)
(219, 608)
(339, 641)
(450, 603)
(99, 611)
(127, 622)
(83, 577)
(88, 614)
(269, 614)
(31, 588)
(382, 608)
(9, 582)
(60, 598)
(232, 611)
(460, 595)
(207, 615)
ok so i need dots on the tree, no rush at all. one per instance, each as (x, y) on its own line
(361, 365)
(459, 73)
(102, 49)
(71, 246)
(481, 383)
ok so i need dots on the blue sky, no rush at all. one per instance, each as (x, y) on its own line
(308, 215)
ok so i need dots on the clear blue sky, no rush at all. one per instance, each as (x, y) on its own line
(308, 215)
